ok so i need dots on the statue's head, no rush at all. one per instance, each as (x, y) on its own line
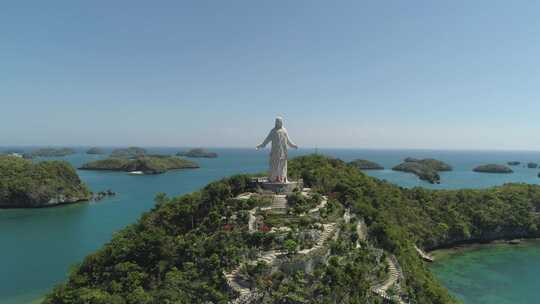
(279, 122)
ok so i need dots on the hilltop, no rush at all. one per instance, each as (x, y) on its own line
(225, 243)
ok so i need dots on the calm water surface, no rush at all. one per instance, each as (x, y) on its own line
(40, 245)
(494, 274)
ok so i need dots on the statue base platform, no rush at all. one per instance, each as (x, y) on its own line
(279, 188)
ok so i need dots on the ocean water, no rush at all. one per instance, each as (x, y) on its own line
(38, 246)
(494, 274)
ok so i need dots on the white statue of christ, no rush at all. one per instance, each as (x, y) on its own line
(278, 155)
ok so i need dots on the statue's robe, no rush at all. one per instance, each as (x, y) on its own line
(278, 154)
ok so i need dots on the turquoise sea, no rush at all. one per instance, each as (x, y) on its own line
(40, 245)
(500, 274)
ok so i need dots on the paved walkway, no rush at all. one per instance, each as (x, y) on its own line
(278, 206)
(394, 274)
(426, 257)
(328, 231)
(394, 271)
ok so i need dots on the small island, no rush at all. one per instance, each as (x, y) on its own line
(50, 152)
(130, 152)
(426, 169)
(493, 168)
(532, 165)
(363, 164)
(13, 151)
(513, 163)
(150, 164)
(198, 153)
(44, 184)
(95, 150)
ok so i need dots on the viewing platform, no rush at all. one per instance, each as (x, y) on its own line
(277, 187)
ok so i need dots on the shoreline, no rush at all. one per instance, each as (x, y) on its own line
(14, 207)
(441, 254)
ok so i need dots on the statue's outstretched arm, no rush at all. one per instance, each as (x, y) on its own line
(290, 143)
(266, 141)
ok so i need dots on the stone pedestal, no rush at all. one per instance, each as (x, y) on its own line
(278, 188)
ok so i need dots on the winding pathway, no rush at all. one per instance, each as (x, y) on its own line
(279, 206)
(426, 257)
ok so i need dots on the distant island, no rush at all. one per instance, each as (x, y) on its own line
(13, 151)
(426, 169)
(49, 152)
(364, 164)
(24, 184)
(130, 152)
(198, 153)
(513, 163)
(151, 164)
(95, 150)
(532, 165)
(493, 168)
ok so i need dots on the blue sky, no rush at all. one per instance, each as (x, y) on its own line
(378, 74)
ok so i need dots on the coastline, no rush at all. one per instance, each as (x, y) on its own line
(444, 253)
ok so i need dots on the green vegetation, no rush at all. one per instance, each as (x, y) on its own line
(152, 164)
(363, 164)
(95, 150)
(513, 163)
(198, 153)
(299, 204)
(24, 184)
(49, 152)
(493, 168)
(426, 169)
(177, 252)
(130, 152)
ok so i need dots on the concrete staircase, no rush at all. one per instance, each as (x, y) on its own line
(279, 204)
(394, 271)
(321, 205)
(245, 294)
(328, 231)
(424, 255)
(394, 274)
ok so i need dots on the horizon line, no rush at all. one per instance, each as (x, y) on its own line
(300, 148)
